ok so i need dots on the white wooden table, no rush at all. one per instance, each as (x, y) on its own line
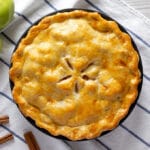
(141, 5)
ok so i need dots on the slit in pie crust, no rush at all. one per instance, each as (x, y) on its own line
(75, 74)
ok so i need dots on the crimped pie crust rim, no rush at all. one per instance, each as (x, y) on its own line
(72, 137)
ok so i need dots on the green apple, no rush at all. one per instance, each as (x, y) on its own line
(6, 12)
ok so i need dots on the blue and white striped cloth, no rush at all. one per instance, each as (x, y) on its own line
(133, 133)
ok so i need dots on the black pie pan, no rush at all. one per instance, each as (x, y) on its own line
(139, 65)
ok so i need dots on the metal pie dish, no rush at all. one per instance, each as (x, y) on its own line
(31, 121)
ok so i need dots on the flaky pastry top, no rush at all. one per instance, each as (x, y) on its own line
(75, 74)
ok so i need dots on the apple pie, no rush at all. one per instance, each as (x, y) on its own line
(75, 74)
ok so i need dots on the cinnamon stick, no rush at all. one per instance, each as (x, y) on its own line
(31, 141)
(4, 119)
(6, 138)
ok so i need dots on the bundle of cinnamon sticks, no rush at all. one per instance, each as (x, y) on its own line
(29, 137)
(31, 141)
(3, 120)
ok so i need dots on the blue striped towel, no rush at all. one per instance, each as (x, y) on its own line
(133, 133)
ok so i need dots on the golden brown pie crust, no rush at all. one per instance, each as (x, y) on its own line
(76, 74)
